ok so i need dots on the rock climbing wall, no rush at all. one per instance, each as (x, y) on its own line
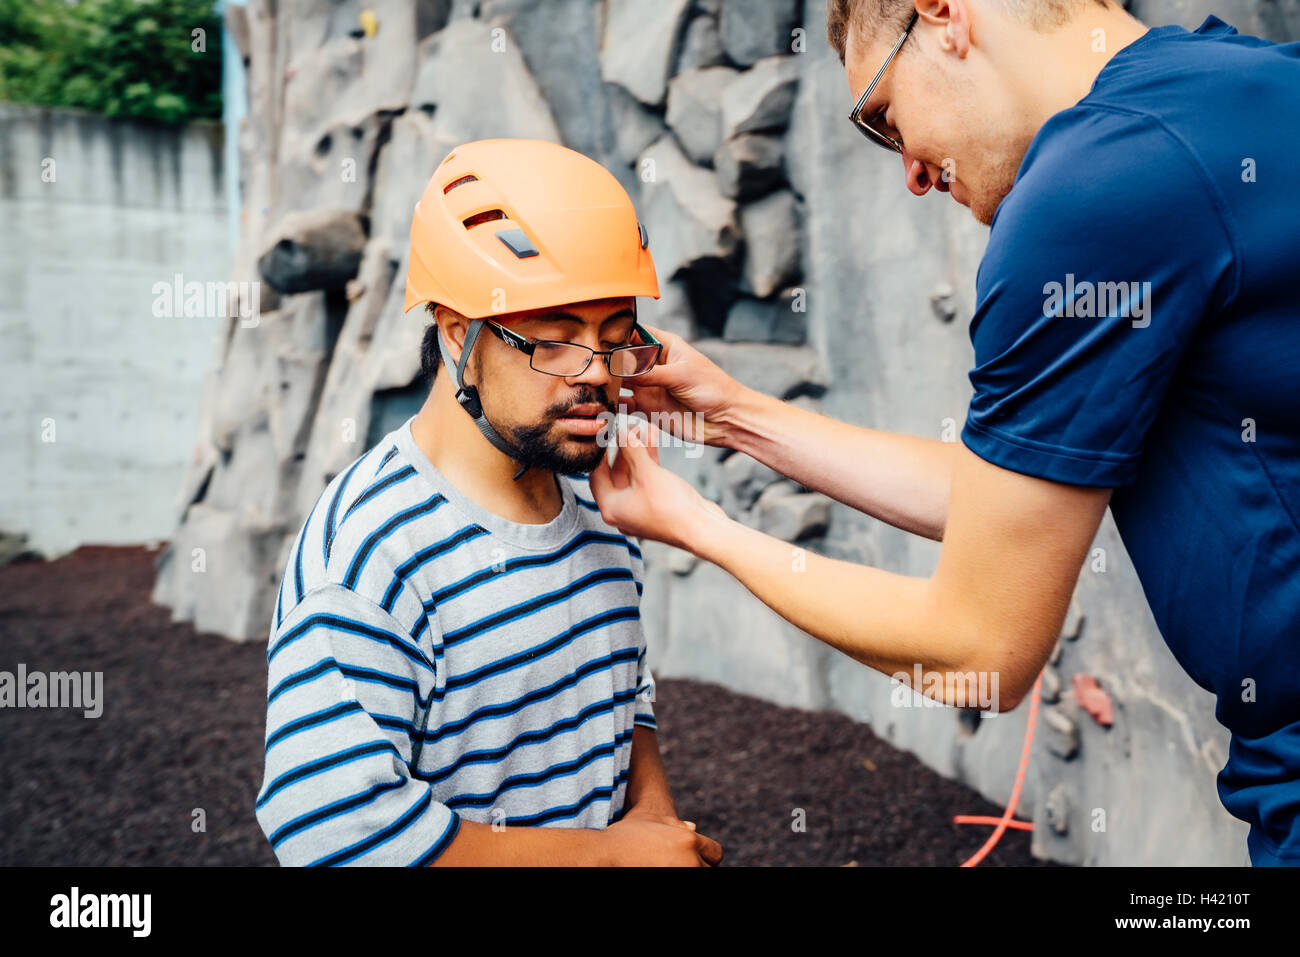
(787, 251)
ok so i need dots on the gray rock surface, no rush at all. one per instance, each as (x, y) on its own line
(753, 29)
(781, 371)
(314, 249)
(749, 165)
(504, 100)
(745, 479)
(694, 110)
(772, 229)
(701, 44)
(760, 99)
(639, 44)
(692, 225)
(793, 516)
(635, 126)
(766, 320)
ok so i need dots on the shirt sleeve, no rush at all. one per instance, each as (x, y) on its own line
(347, 694)
(645, 680)
(1104, 259)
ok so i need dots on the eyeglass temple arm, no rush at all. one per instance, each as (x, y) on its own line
(646, 337)
(862, 100)
(510, 338)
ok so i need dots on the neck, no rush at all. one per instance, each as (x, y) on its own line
(450, 440)
(1068, 60)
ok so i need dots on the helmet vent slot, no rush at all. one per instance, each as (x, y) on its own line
(471, 178)
(484, 217)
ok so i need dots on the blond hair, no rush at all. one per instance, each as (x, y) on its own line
(866, 16)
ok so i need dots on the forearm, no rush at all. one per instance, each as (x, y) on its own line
(892, 623)
(479, 845)
(900, 479)
(647, 784)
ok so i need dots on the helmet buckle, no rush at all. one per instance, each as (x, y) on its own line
(467, 396)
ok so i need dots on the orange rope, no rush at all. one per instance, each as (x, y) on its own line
(1005, 821)
(978, 819)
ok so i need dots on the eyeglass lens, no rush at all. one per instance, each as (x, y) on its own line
(563, 359)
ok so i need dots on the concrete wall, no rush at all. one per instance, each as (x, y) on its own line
(99, 396)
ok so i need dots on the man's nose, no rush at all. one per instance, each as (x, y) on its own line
(596, 375)
(916, 175)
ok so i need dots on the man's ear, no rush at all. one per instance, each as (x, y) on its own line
(454, 327)
(953, 18)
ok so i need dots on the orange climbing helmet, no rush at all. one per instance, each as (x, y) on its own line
(508, 225)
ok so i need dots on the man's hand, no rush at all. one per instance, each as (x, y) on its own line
(899, 479)
(648, 839)
(640, 497)
(683, 385)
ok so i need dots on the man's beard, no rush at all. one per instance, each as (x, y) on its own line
(537, 450)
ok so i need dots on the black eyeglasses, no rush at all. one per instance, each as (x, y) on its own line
(570, 358)
(867, 126)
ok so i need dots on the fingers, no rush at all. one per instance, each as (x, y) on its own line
(599, 474)
(635, 453)
(708, 849)
(669, 339)
(671, 357)
(621, 472)
(598, 479)
(663, 335)
(654, 436)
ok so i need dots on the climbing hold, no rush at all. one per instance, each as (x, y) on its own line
(1063, 736)
(1051, 685)
(1057, 809)
(1073, 621)
(1093, 699)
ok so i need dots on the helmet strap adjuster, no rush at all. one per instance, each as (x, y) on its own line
(467, 396)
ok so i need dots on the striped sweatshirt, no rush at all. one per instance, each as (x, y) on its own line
(431, 662)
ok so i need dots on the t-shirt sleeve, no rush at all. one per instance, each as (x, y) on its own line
(1104, 259)
(346, 699)
(645, 680)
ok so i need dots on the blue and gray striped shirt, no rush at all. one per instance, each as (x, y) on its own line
(430, 661)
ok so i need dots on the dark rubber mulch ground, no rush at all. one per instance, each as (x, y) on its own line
(183, 726)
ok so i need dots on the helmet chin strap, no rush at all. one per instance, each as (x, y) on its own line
(467, 395)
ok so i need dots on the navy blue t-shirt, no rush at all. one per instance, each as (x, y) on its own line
(1138, 328)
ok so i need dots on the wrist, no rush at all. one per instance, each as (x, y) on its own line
(652, 807)
(736, 424)
(703, 530)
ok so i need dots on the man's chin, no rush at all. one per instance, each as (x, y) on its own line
(570, 456)
(551, 448)
(582, 464)
(983, 205)
(978, 206)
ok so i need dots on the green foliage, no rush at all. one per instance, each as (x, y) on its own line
(127, 58)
